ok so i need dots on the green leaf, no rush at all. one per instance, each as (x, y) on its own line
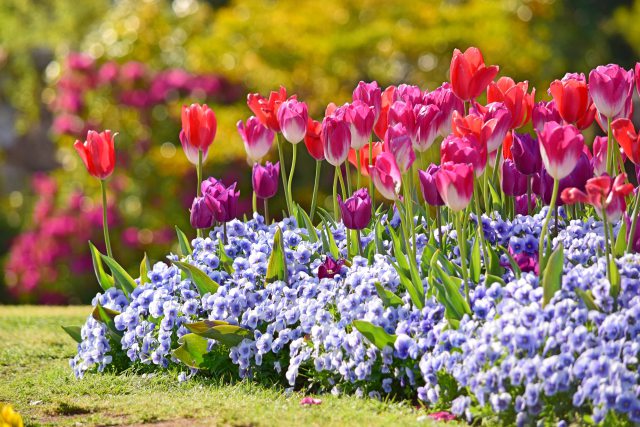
(587, 298)
(407, 272)
(490, 279)
(375, 334)
(514, 265)
(352, 250)
(621, 241)
(185, 247)
(495, 197)
(203, 283)
(192, 350)
(448, 291)
(145, 267)
(74, 332)
(552, 278)
(313, 233)
(331, 242)
(225, 260)
(277, 267)
(494, 267)
(107, 316)
(123, 280)
(614, 290)
(370, 251)
(475, 260)
(230, 335)
(388, 298)
(104, 279)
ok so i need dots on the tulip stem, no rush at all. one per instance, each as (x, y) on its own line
(543, 231)
(485, 190)
(266, 210)
(439, 224)
(348, 173)
(291, 172)
(224, 232)
(462, 245)
(198, 185)
(105, 222)
(316, 183)
(345, 195)
(485, 254)
(283, 173)
(358, 167)
(529, 195)
(411, 246)
(254, 201)
(358, 240)
(634, 223)
(371, 189)
(335, 194)
(607, 243)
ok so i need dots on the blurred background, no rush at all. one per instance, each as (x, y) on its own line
(67, 66)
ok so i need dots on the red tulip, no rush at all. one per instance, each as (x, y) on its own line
(380, 128)
(560, 148)
(515, 98)
(313, 140)
(469, 75)
(199, 127)
(604, 194)
(266, 110)
(336, 140)
(489, 125)
(571, 97)
(378, 147)
(97, 153)
(629, 140)
(455, 184)
(386, 176)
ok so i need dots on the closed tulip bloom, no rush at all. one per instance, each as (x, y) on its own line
(361, 118)
(201, 216)
(525, 151)
(560, 148)
(629, 140)
(428, 119)
(313, 140)
(599, 160)
(377, 148)
(428, 185)
(409, 94)
(447, 102)
(402, 112)
(386, 176)
(257, 138)
(455, 184)
(370, 94)
(336, 140)
(465, 149)
(521, 204)
(469, 75)
(544, 112)
(611, 87)
(266, 110)
(97, 153)
(543, 182)
(265, 179)
(604, 194)
(292, 119)
(571, 98)
(356, 210)
(382, 122)
(399, 144)
(222, 201)
(199, 127)
(512, 181)
(497, 122)
(515, 98)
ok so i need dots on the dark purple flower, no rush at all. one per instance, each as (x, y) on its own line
(543, 182)
(526, 153)
(265, 179)
(521, 204)
(527, 262)
(513, 182)
(222, 201)
(428, 185)
(201, 216)
(356, 210)
(330, 267)
(635, 246)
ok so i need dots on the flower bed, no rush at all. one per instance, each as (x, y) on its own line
(516, 318)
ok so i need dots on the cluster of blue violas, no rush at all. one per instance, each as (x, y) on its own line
(513, 358)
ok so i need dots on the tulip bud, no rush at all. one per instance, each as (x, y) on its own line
(199, 127)
(560, 148)
(611, 87)
(292, 119)
(468, 74)
(313, 140)
(370, 94)
(455, 184)
(525, 151)
(521, 204)
(386, 176)
(265, 179)
(465, 149)
(97, 153)
(336, 140)
(428, 119)
(399, 143)
(428, 185)
(361, 118)
(513, 182)
(571, 97)
(201, 216)
(257, 138)
(222, 201)
(356, 210)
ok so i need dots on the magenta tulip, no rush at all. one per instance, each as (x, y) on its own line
(544, 112)
(386, 176)
(257, 138)
(222, 201)
(356, 210)
(447, 101)
(464, 149)
(543, 182)
(497, 122)
(361, 118)
(525, 151)
(402, 112)
(370, 94)
(611, 87)
(399, 144)
(455, 184)
(428, 185)
(599, 160)
(336, 139)
(201, 216)
(522, 208)
(265, 179)
(560, 148)
(428, 120)
(292, 119)
(409, 94)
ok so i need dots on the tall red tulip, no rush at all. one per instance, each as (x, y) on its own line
(515, 97)
(199, 127)
(312, 139)
(97, 153)
(469, 75)
(266, 110)
(572, 100)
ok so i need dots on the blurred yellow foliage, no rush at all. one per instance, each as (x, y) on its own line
(9, 417)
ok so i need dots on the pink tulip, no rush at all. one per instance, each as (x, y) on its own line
(336, 139)
(292, 119)
(399, 144)
(409, 94)
(386, 176)
(265, 179)
(637, 78)
(370, 94)
(544, 112)
(560, 148)
(599, 159)
(447, 101)
(361, 118)
(257, 138)
(497, 122)
(402, 112)
(611, 87)
(455, 184)
(428, 120)
(464, 149)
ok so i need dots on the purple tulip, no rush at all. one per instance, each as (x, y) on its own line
(370, 94)
(611, 87)
(428, 119)
(329, 268)
(544, 112)
(543, 182)
(402, 112)
(257, 138)
(526, 153)
(222, 201)
(201, 216)
(635, 246)
(513, 182)
(361, 118)
(265, 179)
(356, 210)
(428, 185)
(521, 204)
(444, 98)
(399, 143)
(292, 118)
(336, 139)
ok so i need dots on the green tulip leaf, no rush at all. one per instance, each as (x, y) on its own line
(389, 299)
(375, 334)
(192, 350)
(552, 278)
(183, 241)
(204, 283)
(230, 335)
(123, 280)
(277, 267)
(104, 280)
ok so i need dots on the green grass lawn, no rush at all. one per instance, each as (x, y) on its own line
(36, 379)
